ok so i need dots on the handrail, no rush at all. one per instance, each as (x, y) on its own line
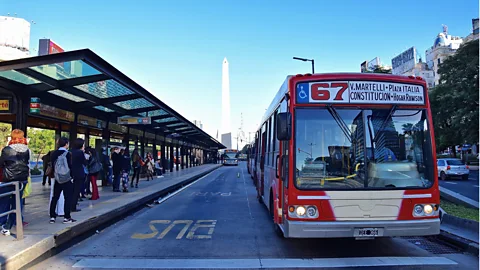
(17, 210)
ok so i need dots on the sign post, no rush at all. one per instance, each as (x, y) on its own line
(35, 105)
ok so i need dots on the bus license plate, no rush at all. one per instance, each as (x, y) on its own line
(368, 232)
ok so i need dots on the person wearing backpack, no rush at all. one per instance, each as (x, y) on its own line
(62, 171)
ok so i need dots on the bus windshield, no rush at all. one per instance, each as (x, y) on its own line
(230, 155)
(360, 149)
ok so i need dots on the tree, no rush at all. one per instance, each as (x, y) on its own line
(454, 101)
(41, 141)
(5, 131)
(380, 69)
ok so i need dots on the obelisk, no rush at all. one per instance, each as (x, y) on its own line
(226, 128)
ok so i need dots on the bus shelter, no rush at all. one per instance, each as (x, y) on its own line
(78, 94)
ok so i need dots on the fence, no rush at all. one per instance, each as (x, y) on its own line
(18, 209)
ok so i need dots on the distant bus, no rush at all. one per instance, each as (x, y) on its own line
(230, 157)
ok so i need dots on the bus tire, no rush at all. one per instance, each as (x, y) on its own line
(276, 228)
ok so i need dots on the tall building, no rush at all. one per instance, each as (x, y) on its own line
(226, 128)
(444, 46)
(474, 34)
(14, 38)
(421, 69)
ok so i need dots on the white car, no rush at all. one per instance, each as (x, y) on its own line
(452, 167)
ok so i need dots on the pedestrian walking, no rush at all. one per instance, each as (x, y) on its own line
(126, 168)
(94, 168)
(136, 165)
(79, 172)
(117, 160)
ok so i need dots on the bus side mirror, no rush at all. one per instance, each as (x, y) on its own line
(284, 125)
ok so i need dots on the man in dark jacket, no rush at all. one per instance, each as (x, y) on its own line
(14, 161)
(79, 171)
(46, 162)
(67, 187)
(117, 160)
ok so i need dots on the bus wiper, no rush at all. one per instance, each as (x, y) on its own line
(340, 122)
(385, 121)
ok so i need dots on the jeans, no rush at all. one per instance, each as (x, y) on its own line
(116, 181)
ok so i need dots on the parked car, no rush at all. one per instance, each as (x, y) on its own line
(452, 167)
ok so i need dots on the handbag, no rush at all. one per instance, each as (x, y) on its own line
(49, 170)
(28, 188)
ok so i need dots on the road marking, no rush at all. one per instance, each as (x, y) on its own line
(204, 194)
(476, 186)
(115, 263)
(192, 234)
(452, 183)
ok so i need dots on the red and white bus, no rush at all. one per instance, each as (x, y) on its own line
(349, 155)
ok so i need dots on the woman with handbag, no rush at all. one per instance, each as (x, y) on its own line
(94, 168)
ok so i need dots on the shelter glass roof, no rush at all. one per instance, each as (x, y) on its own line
(18, 77)
(101, 108)
(82, 82)
(134, 104)
(66, 70)
(66, 95)
(165, 120)
(153, 113)
(105, 89)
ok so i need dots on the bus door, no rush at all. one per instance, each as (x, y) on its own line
(282, 173)
(262, 163)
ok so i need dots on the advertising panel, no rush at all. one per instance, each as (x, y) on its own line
(134, 120)
(360, 92)
(404, 62)
(363, 67)
(56, 113)
(373, 63)
(90, 121)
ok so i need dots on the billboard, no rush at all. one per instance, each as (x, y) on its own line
(404, 62)
(363, 67)
(373, 63)
(47, 46)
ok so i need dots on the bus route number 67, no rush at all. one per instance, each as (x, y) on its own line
(325, 91)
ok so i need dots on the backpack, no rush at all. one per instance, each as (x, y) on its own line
(62, 171)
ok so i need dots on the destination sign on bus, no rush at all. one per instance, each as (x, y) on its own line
(360, 92)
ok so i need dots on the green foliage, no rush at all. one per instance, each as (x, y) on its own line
(5, 131)
(35, 171)
(454, 101)
(41, 141)
(459, 210)
(380, 69)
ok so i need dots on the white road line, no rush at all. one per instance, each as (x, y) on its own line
(246, 194)
(183, 188)
(476, 186)
(115, 263)
(452, 183)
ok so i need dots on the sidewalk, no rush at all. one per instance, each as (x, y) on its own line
(41, 237)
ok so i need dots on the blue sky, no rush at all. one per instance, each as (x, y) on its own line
(175, 48)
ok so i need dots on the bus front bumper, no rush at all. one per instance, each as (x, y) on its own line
(340, 229)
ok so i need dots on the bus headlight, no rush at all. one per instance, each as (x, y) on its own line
(428, 209)
(311, 211)
(418, 210)
(300, 211)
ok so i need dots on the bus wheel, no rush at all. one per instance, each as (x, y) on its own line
(276, 228)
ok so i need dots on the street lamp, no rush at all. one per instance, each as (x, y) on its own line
(305, 60)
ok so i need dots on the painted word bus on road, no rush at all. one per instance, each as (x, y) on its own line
(348, 155)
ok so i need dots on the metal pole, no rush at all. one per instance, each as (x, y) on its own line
(18, 212)
(313, 66)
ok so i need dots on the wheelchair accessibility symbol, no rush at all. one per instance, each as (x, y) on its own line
(302, 92)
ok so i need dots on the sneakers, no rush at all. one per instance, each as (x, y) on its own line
(68, 220)
(5, 231)
(52, 220)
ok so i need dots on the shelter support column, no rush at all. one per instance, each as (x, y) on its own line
(186, 157)
(163, 156)
(177, 155)
(182, 155)
(171, 158)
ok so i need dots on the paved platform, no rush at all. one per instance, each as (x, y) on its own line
(41, 237)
